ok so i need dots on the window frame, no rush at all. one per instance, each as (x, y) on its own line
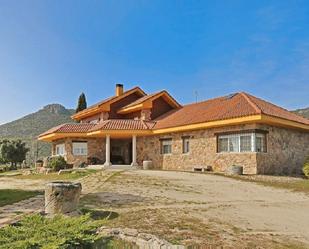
(162, 151)
(186, 149)
(81, 151)
(238, 136)
(62, 147)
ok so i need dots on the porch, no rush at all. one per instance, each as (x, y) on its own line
(98, 152)
(120, 152)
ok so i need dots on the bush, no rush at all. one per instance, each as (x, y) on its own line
(35, 231)
(93, 161)
(306, 167)
(57, 163)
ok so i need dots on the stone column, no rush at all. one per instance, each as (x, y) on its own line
(134, 162)
(108, 151)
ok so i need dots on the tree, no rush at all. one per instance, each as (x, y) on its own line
(13, 151)
(82, 103)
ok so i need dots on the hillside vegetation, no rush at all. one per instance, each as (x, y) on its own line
(303, 112)
(29, 127)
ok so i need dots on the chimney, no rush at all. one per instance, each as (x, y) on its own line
(119, 89)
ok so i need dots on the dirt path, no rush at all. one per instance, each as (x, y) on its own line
(187, 207)
(252, 208)
(244, 204)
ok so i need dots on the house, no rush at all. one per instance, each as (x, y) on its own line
(132, 126)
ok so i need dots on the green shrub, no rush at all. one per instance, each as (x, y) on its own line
(35, 231)
(306, 167)
(57, 163)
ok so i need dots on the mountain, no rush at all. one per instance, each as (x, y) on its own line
(29, 127)
(303, 112)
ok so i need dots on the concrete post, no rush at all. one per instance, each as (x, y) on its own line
(134, 161)
(108, 151)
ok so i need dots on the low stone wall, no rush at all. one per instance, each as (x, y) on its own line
(142, 240)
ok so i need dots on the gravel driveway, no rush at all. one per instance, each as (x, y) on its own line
(248, 206)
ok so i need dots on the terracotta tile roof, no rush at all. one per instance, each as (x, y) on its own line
(149, 96)
(142, 99)
(69, 128)
(110, 99)
(276, 111)
(221, 108)
(123, 124)
(231, 106)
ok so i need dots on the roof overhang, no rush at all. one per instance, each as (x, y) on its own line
(120, 133)
(271, 120)
(57, 135)
(210, 124)
(260, 119)
(147, 104)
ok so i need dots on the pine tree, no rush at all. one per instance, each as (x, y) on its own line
(82, 103)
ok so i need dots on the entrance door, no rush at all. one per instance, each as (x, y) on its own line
(121, 151)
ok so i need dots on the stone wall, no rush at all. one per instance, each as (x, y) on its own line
(286, 150)
(96, 148)
(203, 151)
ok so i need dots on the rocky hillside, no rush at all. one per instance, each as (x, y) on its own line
(27, 128)
(303, 112)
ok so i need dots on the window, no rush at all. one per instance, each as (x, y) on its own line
(185, 145)
(233, 144)
(60, 150)
(260, 143)
(246, 142)
(80, 148)
(223, 144)
(166, 146)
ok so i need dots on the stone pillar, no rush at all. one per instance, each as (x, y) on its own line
(134, 162)
(108, 151)
(61, 197)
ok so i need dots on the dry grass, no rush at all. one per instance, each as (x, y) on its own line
(179, 227)
(283, 182)
(54, 176)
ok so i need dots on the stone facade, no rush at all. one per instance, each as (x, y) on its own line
(286, 150)
(96, 148)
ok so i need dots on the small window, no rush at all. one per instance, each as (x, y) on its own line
(166, 146)
(223, 144)
(185, 145)
(80, 148)
(60, 150)
(260, 143)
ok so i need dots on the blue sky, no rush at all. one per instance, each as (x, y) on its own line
(51, 51)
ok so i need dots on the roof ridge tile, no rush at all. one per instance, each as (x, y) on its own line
(243, 94)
